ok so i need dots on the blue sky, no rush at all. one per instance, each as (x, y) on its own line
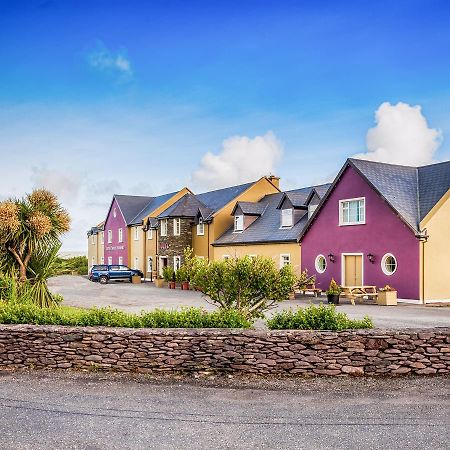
(103, 97)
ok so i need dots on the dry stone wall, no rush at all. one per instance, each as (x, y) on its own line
(362, 352)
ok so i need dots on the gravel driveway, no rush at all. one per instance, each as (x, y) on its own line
(79, 291)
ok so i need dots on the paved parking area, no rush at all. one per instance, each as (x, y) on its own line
(79, 291)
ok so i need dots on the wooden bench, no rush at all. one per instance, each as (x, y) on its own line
(359, 292)
(311, 288)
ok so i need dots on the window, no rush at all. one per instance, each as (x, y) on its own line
(164, 227)
(102, 260)
(285, 260)
(93, 261)
(176, 262)
(150, 264)
(238, 223)
(176, 227)
(311, 209)
(352, 211)
(136, 233)
(200, 227)
(252, 256)
(93, 239)
(136, 263)
(286, 217)
(321, 264)
(225, 257)
(115, 212)
(109, 236)
(120, 235)
(150, 233)
(110, 260)
(102, 237)
(120, 260)
(388, 264)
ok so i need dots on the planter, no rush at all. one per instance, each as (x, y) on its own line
(333, 299)
(185, 285)
(172, 285)
(387, 298)
(159, 282)
(136, 279)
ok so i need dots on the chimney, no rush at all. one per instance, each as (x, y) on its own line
(274, 180)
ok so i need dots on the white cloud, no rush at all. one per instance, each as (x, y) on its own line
(103, 59)
(401, 136)
(240, 160)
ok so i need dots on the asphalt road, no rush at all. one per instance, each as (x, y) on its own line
(78, 291)
(90, 411)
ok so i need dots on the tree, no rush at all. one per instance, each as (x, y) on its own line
(28, 227)
(250, 285)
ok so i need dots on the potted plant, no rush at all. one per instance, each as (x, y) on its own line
(182, 278)
(387, 296)
(169, 276)
(159, 282)
(333, 292)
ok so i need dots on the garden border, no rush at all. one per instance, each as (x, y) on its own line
(290, 352)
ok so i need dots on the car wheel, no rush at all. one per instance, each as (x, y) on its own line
(103, 280)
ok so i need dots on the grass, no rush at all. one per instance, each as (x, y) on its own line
(26, 313)
(316, 318)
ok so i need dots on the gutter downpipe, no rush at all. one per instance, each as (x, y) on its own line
(423, 238)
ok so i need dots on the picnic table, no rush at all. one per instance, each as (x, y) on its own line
(359, 292)
(311, 288)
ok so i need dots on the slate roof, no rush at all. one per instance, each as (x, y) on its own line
(266, 228)
(155, 203)
(410, 191)
(215, 200)
(131, 205)
(250, 208)
(187, 206)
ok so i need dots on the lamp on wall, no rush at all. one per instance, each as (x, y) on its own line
(331, 257)
(371, 258)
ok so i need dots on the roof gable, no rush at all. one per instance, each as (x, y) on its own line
(130, 205)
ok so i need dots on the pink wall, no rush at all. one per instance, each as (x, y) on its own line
(382, 233)
(116, 248)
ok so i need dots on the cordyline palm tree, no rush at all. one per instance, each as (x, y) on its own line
(28, 227)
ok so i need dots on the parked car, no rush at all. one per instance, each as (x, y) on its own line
(104, 273)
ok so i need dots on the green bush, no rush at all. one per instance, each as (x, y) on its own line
(77, 265)
(168, 273)
(28, 313)
(316, 318)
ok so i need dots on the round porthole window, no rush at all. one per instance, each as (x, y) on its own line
(321, 263)
(388, 264)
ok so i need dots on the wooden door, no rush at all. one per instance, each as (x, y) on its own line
(352, 270)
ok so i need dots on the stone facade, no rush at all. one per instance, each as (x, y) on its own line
(171, 245)
(299, 353)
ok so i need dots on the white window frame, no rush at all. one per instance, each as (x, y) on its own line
(120, 260)
(102, 260)
(200, 227)
(110, 261)
(176, 227)
(115, 212)
(175, 260)
(239, 223)
(164, 226)
(383, 264)
(93, 239)
(110, 236)
(136, 263)
(102, 237)
(149, 264)
(136, 233)
(120, 234)
(225, 257)
(284, 215)
(341, 211)
(311, 209)
(93, 261)
(316, 263)
(150, 234)
(282, 256)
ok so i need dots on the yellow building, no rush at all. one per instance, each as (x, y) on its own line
(96, 239)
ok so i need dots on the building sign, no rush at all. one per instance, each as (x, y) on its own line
(115, 247)
(163, 246)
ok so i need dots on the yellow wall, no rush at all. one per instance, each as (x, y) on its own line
(95, 250)
(150, 250)
(271, 250)
(136, 248)
(435, 252)
(200, 243)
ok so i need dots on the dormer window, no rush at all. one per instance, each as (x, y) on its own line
(238, 223)
(287, 218)
(311, 209)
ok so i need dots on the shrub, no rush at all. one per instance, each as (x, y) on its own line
(77, 265)
(305, 280)
(249, 285)
(28, 313)
(168, 273)
(334, 288)
(316, 318)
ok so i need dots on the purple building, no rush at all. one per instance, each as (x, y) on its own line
(366, 230)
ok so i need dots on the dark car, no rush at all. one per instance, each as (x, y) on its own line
(104, 273)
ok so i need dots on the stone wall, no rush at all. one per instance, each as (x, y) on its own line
(171, 245)
(368, 352)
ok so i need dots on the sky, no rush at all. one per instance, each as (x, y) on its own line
(107, 97)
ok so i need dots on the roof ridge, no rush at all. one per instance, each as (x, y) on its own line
(434, 164)
(227, 187)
